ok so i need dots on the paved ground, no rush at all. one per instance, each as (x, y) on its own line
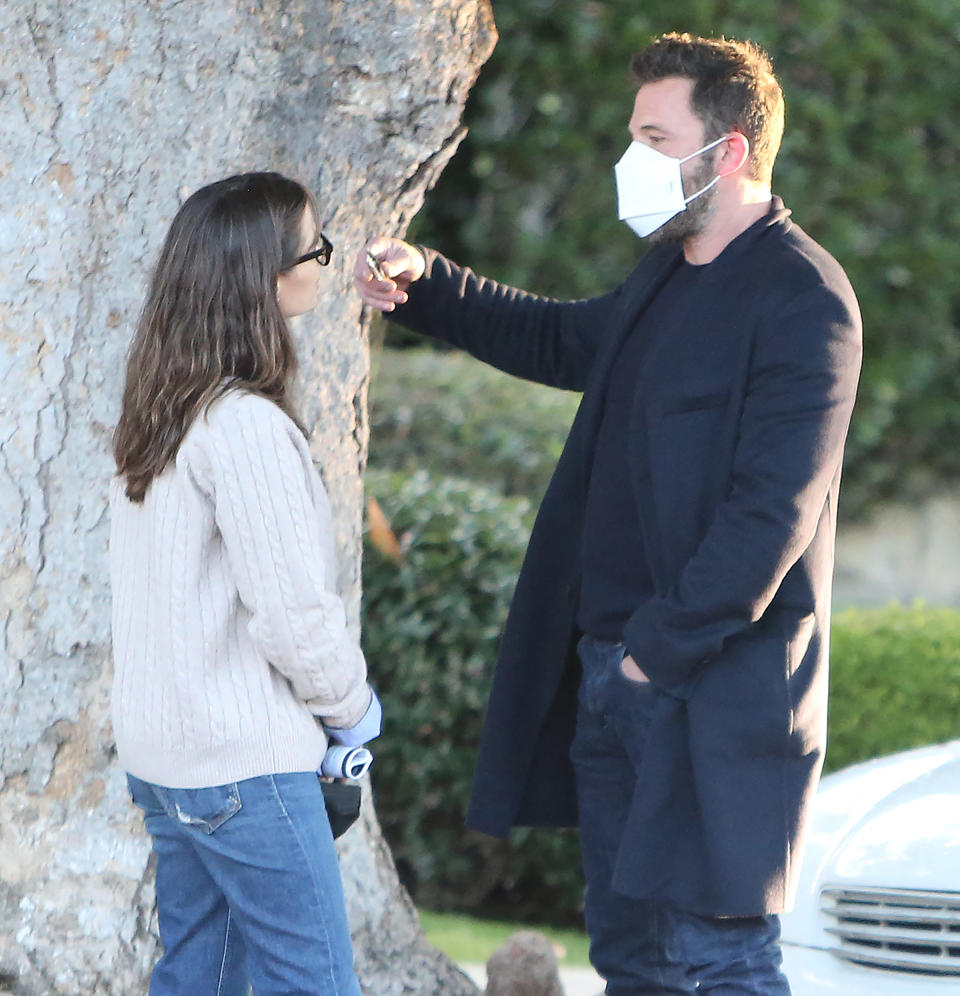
(576, 981)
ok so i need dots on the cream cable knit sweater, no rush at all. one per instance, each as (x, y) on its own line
(229, 639)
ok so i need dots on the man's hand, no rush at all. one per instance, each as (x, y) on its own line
(630, 671)
(399, 262)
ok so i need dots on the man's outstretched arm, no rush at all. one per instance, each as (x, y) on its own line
(540, 339)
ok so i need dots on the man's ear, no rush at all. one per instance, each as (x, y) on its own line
(734, 152)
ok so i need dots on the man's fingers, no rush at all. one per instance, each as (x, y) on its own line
(398, 269)
(379, 294)
(397, 260)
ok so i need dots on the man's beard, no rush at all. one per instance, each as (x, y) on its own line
(695, 218)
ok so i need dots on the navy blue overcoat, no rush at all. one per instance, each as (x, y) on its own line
(737, 432)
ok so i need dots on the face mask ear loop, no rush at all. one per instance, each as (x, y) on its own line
(702, 190)
(700, 152)
(706, 148)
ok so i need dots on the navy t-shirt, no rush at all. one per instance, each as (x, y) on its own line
(615, 576)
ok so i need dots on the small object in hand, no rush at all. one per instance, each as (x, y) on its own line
(375, 268)
(345, 762)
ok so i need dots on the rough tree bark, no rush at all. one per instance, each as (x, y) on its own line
(112, 111)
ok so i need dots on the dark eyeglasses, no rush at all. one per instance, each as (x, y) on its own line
(321, 255)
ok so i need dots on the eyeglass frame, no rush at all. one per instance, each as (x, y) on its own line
(321, 255)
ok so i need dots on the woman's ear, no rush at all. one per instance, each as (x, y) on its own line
(734, 152)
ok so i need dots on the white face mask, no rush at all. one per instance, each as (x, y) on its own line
(650, 187)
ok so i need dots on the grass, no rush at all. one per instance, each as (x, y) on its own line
(463, 939)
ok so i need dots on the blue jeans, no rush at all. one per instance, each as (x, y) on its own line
(248, 890)
(644, 947)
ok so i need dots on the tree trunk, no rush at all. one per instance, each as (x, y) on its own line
(113, 111)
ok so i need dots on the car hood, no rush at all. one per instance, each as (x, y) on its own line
(892, 823)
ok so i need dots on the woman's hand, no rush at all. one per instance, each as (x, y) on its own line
(401, 264)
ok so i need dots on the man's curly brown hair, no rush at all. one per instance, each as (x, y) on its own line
(734, 89)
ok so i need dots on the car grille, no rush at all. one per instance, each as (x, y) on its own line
(900, 929)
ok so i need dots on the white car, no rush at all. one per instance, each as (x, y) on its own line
(878, 911)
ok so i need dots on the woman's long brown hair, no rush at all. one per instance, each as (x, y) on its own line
(211, 321)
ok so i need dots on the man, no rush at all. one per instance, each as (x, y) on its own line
(663, 671)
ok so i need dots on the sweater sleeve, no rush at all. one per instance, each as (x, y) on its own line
(244, 457)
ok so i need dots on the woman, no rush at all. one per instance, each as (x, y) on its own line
(233, 661)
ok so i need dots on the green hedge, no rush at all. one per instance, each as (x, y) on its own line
(431, 627)
(869, 165)
(450, 415)
(895, 681)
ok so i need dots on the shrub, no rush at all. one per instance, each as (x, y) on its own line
(451, 415)
(895, 681)
(431, 626)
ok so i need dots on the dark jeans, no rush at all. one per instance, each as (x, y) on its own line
(644, 947)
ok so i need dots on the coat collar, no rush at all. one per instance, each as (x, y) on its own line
(659, 264)
(776, 217)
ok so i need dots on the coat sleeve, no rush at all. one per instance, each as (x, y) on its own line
(537, 338)
(799, 398)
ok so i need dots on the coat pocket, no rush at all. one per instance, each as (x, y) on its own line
(695, 402)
